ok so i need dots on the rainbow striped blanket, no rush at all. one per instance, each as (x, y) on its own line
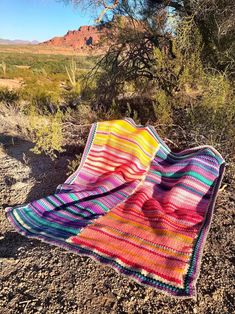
(134, 205)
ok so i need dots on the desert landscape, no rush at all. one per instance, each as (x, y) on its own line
(39, 278)
(174, 78)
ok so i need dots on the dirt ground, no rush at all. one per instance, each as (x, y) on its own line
(10, 83)
(38, 278)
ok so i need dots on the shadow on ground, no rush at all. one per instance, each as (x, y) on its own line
(12, 242)
(26, 176)
(47, 173)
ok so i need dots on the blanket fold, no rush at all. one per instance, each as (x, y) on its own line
(132, 204)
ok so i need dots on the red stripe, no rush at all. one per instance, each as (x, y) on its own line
(94, 152)
(124, 172)
(129, 165)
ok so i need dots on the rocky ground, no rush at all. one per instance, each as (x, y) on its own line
(39, 278)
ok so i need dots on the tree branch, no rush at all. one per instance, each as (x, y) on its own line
(106, 9)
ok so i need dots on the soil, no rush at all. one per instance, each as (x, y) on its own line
(10, 83)
(39, 278)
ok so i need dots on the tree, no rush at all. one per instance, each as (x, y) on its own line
(161, 48)
(215, 20)
(174, 58)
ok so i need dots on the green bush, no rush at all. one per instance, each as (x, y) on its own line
(46, 132)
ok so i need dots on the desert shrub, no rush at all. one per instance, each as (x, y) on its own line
(86, 62)
(206, 93)
(40, 71)
(156, 83)
(71, 99)
(8, 96)
(83, 115)
(44, 94)
(161, 81)
(46, 132)
(89, 88)
(44, 102)
(162, 108)
(214, 112)
(218, 91)
(53, 64)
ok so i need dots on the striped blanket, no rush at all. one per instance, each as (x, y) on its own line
(134, 205)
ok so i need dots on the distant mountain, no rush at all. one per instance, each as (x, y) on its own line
(17, 42)
(89, 37)
(85, 38)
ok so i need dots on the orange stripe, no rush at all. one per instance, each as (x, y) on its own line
(96, 238)
(140, 241)
(166, 233)
(127, 167)
(126, 175)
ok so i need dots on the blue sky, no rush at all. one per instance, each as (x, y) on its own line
(40, 19)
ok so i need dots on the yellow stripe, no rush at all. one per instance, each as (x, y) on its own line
(144, 138)
(125, 147)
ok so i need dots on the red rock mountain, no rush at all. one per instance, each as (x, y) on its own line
(85, 38)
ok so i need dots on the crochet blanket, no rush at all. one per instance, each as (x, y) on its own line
(134, 205)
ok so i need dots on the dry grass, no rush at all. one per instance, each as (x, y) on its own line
(47, 50)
